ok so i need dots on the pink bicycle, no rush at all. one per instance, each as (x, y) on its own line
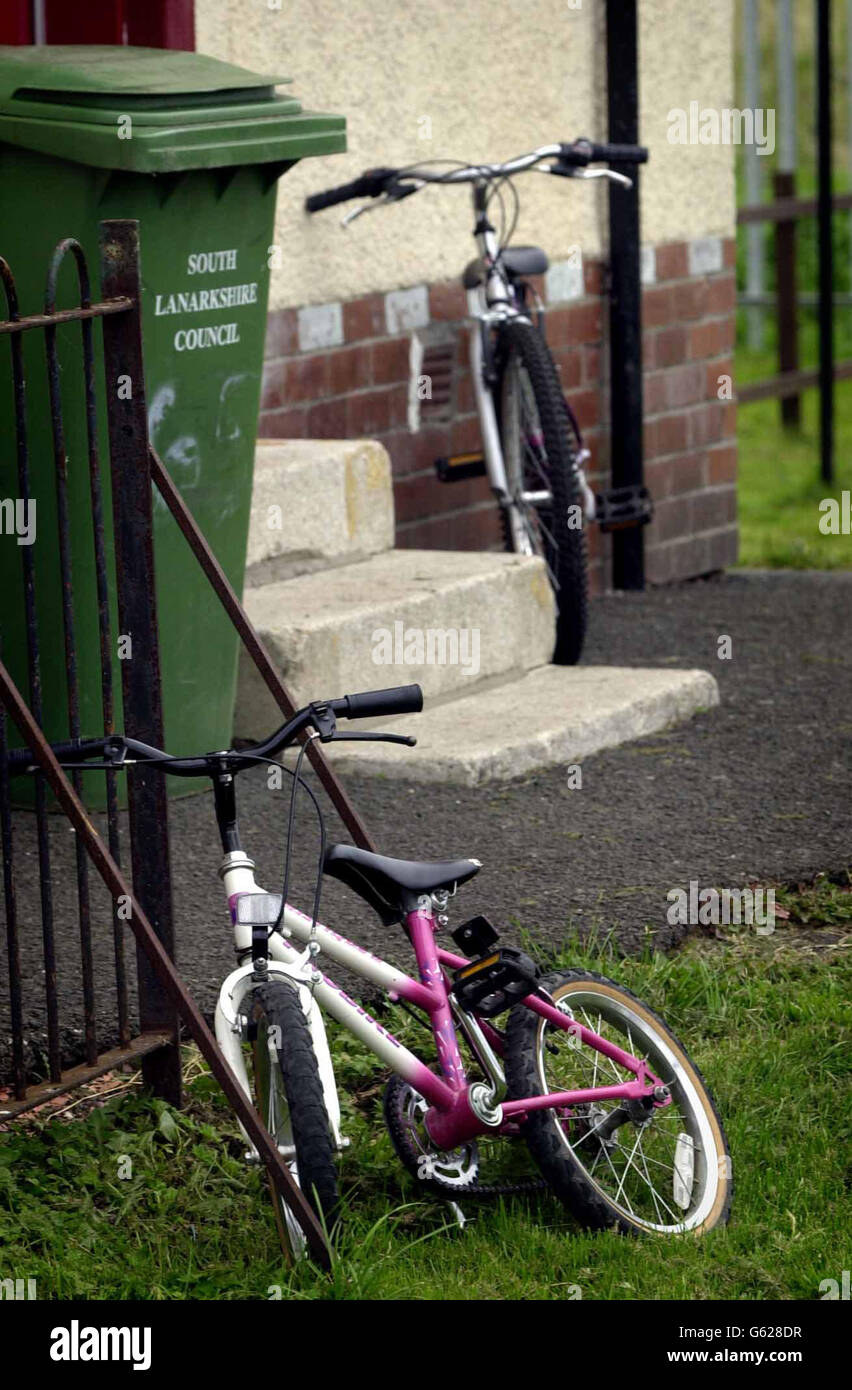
(615, 1114)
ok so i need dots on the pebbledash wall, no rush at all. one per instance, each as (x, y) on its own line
(353, 312)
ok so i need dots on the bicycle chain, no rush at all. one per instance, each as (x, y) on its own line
(522, 1187)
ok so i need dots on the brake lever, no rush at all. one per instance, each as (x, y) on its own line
(610, 174)
(407, 739)
(356, 212)
(115, 753)
(114, 759)
(392, 196)
(323, 720)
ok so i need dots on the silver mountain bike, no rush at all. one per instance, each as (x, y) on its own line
(532, 447)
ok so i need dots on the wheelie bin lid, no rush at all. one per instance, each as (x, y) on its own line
(153, 110)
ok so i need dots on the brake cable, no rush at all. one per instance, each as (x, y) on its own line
(297, 781)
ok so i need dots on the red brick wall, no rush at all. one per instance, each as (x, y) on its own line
(359, 386)
(690, 433)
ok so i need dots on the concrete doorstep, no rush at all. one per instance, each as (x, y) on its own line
(348, 629)
(341, 611)
(550, 716)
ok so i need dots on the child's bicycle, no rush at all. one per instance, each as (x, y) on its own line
(532, 445)
(617, 1118)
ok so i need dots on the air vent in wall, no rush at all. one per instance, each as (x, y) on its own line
(431, 392)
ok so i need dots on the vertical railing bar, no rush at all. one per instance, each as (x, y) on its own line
(65, 568)
(104, 627)
(133, 532)
(34, 681)
(825, 245)
(625, 288)
(13, 950)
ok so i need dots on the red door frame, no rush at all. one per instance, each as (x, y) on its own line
(16, 22)
(144, 23)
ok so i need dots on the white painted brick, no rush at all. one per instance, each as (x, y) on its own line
(564, 279)
(706, 255)
(320, 326)
(648, 265)
(406, 310)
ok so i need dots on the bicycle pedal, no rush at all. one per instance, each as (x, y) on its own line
(475, 935)
(620, 507)
(459, 466)
(495, 982)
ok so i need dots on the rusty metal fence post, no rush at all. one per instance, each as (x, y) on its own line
(137, 615)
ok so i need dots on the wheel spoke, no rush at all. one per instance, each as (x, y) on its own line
(628, 1165)
(638, 1173)
(615, 1175)
(642, 1155)
(677, 1219)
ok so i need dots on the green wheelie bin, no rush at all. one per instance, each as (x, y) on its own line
(192, 148)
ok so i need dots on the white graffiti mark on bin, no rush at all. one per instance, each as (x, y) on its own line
(180, 452)
(228, 428)
(235, 406)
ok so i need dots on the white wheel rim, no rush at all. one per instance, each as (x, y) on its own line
(667, 1065)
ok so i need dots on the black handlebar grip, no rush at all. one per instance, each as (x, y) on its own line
(342, 194)
(621, 154)
(375, 704)
(583, 152)
(368, 185)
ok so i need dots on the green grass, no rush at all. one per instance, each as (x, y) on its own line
(766, 1019)
(780, 490)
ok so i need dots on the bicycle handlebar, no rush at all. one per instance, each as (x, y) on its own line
(583, 152)
(373, 182)
(375, 704)
(368, 704)
(370, 184)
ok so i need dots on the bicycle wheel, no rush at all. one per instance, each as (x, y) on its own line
(539, 451)
(289, 1099)
(665, 1171)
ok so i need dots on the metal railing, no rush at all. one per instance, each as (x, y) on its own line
(16, 325)
(163, 998)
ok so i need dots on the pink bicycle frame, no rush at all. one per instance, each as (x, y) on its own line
(451, 1118)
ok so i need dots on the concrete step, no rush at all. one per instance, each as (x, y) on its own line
(445, 619)
(317, 503)
(549, 716)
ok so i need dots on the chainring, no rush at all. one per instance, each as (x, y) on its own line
(448, 1175)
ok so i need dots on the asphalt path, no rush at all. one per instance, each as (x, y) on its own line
(757, 789)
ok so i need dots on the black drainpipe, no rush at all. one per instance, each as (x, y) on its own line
(625, 304)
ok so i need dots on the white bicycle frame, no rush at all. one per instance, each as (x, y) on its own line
(493, 303)
(315, 990)
(489, 305)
